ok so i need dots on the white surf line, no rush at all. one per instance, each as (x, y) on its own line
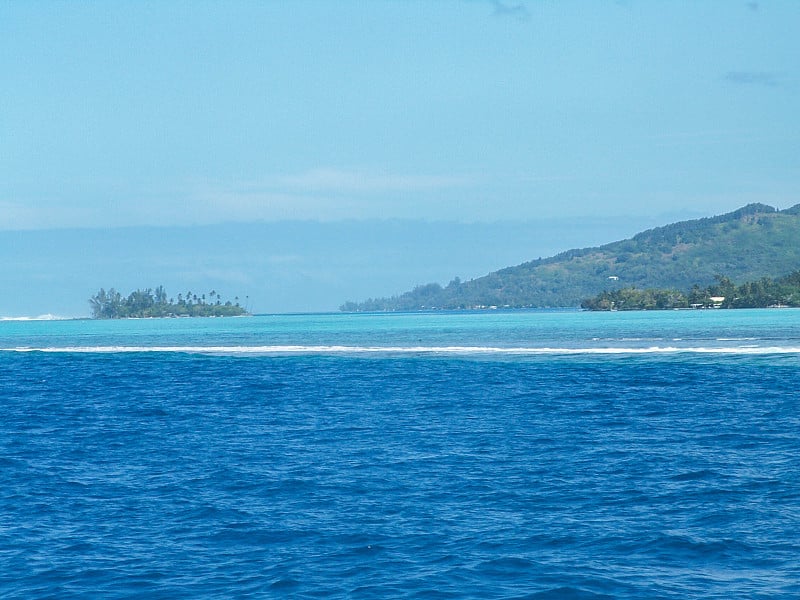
(442, 350)
(47, 317)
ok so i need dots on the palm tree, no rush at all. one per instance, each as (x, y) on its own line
(98, 303)
(161, 295)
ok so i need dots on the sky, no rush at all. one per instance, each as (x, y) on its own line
(457, 113)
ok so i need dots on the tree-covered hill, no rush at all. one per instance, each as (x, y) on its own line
(753, 242)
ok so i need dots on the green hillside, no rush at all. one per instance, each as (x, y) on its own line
(750, 243)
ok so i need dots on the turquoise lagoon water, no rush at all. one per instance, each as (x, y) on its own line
(532, 332)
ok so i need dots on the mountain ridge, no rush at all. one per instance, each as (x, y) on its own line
(754, 241)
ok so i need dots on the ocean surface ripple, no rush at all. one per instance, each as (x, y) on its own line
(174, 474)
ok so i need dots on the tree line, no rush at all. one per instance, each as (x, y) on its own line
(151, 303)
(761, 293)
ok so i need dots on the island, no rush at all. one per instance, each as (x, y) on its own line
(754, 242)
(155, 303)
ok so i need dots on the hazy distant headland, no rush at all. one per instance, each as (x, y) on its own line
(152, 303)
(753, 246)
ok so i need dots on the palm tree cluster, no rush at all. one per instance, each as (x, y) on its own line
(150, 303)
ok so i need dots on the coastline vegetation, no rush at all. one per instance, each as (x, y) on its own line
(762, 293)
(154, 303)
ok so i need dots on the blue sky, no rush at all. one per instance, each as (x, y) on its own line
(195, 113)
(125, 113)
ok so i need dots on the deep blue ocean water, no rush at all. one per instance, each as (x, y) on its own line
(454, 455)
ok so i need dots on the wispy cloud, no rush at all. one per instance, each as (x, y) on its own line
(752, 6)
(353, 181)
(763, 78)
(46, 213)
(319, 194)
(514, 11)
(322, 193)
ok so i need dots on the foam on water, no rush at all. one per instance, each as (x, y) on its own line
(415, 350)
(45, 317)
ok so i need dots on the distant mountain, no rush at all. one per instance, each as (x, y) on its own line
(752, 242)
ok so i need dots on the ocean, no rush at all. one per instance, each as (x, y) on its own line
(524, 454)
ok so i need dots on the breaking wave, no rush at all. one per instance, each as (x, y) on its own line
(411, 350)
(47, 317)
